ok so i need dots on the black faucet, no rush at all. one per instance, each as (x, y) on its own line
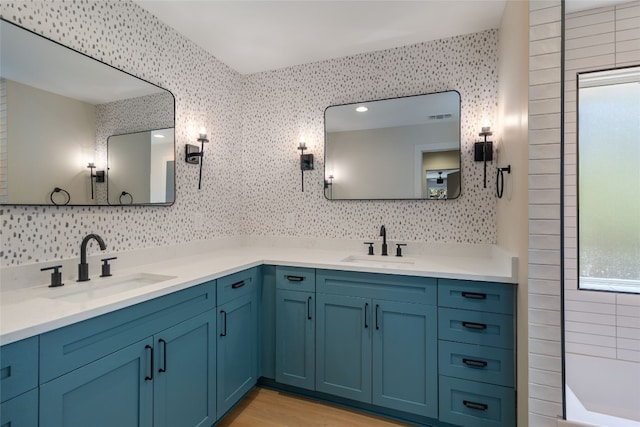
(83, 267)
(383, 233)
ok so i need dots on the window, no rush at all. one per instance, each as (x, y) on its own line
(609, 180)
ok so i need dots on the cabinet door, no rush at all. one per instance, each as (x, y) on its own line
(21, 411)
(184, 382)
(405, 357)
(116, 390)
(343, 346)
(237, 352)
(295, 338)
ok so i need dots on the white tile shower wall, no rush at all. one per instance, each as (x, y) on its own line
(283, 105)
(545, 351)
(597, 323)
(207, 94)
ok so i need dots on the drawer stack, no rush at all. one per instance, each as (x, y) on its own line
(476, 353)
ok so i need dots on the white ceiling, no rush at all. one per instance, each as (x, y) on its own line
(258, 35)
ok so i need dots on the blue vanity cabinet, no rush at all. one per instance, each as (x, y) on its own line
(18, 383)
(376, 340)
(295, 327)
(116, 390)
(476, 331)
(237, 338)
(146, 365)
(185, 373)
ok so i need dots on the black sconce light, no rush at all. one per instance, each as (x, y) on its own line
(195, 154)
(306, 160)
(328, 183)
(440, 179)
(483, 151)
(98, 175)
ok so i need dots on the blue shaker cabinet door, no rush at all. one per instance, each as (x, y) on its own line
(21, 411)
(343, 346)
(295, 338)
(116, 390)
(237, 340)
(184, 382)
(405, 357)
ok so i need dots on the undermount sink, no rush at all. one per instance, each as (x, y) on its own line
(379, 259)
(106, 287)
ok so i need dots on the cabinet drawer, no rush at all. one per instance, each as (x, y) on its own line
(418, 290)
(71, 347)
(477, 363)
(473, 404)
(18, 368)
(21, 411)
(476, 327)
(236, 285)
(296, 279)
(468, 295)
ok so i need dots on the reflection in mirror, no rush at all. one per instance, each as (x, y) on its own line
(387, 149)
(61, 106)
(141, 167)
(609, 179)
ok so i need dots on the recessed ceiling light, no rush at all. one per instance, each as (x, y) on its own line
(361, 109)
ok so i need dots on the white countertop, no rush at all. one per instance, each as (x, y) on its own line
(27, 311)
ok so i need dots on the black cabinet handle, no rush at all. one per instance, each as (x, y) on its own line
(366, 310)
(309, 308)
(474, 295)
(150, 376)
(295, 278)
(377, 325)
(473, 325)
(474, 363)
(238, 285)
(475, 405)
(224, 330)
(164, 355)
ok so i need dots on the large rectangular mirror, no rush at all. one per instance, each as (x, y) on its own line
(59, 107)
(400, 148)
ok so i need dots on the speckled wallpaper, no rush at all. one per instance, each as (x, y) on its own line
(207, 93)
(251, 176)
(283, 105)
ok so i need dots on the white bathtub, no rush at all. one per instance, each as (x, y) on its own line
(602, 392)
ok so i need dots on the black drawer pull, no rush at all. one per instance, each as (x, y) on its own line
(474, 363)
(474, 295)
(224, 330)
(164, 355)
(295, 278)
(366, 310)
(309, 308)
(475, 405)
(150, 376)
(238, 285)
(473, 325)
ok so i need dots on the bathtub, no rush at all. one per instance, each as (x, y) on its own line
(602, 392)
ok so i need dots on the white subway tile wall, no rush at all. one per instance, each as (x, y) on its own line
(545, 353)
(597, 323)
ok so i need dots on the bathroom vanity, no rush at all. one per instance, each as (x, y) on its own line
(184, 350)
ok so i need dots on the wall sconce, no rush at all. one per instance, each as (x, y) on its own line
(328, 183)
(306, 160)
(195, 154)
(98, 175)
(440, 179)
(483, 151)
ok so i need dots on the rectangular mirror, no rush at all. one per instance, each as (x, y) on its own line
(59, 108)
(394, 148)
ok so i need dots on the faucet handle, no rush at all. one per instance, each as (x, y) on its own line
(399, 248)
(370, 247)
(56, 276)
(106, 268)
